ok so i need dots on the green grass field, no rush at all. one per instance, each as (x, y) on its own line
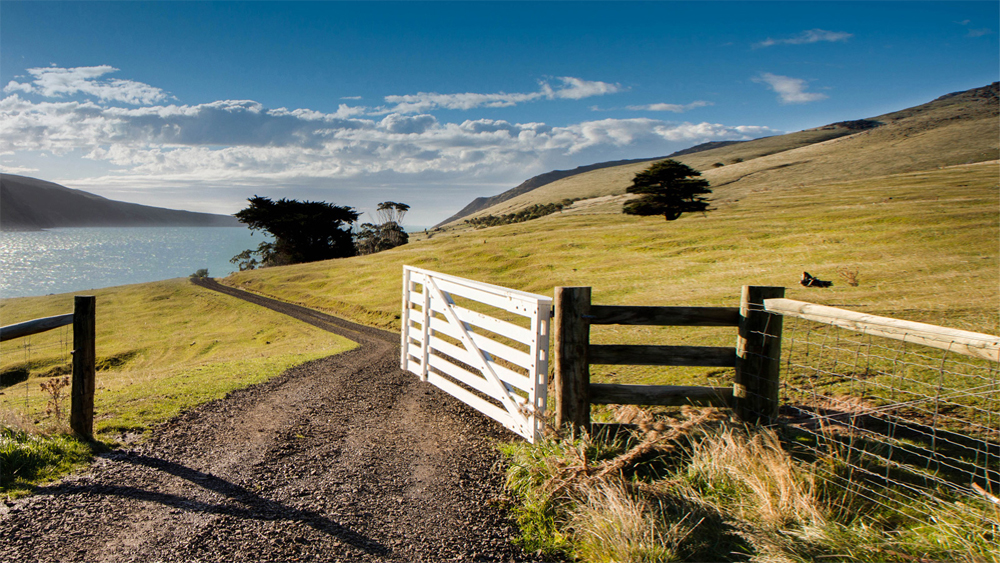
(925, 246)
(162, 348)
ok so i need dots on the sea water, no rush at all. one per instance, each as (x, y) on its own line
(79, 259)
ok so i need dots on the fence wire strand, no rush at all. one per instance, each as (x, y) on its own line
(32, 358)
(912, 426)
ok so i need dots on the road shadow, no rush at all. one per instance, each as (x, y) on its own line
(250, 505)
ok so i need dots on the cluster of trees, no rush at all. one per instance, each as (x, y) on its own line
(387, 233)
(307, 231)
(667, 188)
(533, 212)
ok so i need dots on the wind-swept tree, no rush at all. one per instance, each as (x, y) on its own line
(667, 188)
(388, 233)
(303, 231)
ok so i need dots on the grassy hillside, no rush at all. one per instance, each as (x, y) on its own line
(161, 347)
(955, 129)
(925, 246)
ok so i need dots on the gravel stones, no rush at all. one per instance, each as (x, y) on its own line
(346, 458)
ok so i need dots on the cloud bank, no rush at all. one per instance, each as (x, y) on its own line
(137, 140)
(58, 82)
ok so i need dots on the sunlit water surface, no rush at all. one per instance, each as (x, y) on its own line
(65, 260)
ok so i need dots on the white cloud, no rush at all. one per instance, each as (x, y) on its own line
(790, 90)
(54, 82)
(571, 88)
(16, 169)
(806, 37)
(676, 108)
(427, 101)
(240, 147)
(241, 139)
(577, 89)
(979, 32)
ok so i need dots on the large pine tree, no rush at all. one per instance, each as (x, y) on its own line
(667, 188)
(303, 231)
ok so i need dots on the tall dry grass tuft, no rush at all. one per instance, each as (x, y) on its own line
(614, 523)
(753, 478)
(700, 488)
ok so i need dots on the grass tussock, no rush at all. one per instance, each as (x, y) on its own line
(700, 488)
(28, 456)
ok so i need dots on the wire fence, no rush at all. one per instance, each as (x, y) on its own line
(31, 368)
(908, 427)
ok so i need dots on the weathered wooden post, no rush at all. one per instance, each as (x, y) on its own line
(758, 357)
(571, 379)
(81, 418)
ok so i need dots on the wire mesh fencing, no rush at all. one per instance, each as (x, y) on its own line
(904, 426)
(35, 378)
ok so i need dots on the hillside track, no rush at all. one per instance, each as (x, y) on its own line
(346, 458)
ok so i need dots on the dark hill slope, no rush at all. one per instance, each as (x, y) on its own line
(536, 182)
(29, 204)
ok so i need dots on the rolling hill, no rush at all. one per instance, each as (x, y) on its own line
(957, 128)
(29, 204)
(536, 182)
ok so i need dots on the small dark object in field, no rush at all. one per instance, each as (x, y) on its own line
(809, 281)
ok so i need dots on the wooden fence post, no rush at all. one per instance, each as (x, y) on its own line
(758, 357)
(81, 418)
(571, 367)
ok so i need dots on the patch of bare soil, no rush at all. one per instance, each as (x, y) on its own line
(346, 458)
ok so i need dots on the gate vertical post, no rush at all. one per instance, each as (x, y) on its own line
(81, 417)
(404, 330)
(425, 331)
(571, 380)
(758, 357)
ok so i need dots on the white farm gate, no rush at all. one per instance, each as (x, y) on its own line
(452, 337)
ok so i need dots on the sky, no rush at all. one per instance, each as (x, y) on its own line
(201, 105)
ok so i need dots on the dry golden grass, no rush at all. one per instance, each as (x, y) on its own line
(718, 491)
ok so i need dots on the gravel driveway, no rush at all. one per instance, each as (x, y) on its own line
(346, 458)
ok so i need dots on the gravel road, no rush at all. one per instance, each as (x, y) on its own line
(346, 458)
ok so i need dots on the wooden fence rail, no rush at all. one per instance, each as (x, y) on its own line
(84, 320)
(27, 328)
(754, 395)
(977, 345)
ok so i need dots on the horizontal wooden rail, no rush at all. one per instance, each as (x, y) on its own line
(755, 358)
(661, 395)
(650, 355)
(973, 344)
(664, 316)
(35, 326)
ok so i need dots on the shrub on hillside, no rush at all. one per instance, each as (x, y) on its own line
(533, 212)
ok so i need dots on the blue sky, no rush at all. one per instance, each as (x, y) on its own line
(200, 105)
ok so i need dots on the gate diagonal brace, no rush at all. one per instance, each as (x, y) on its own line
(483, 366)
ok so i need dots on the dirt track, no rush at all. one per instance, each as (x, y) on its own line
(346, 458)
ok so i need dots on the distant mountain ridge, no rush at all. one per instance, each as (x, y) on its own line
(953, 129)
(536, 182)
(30, 204)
